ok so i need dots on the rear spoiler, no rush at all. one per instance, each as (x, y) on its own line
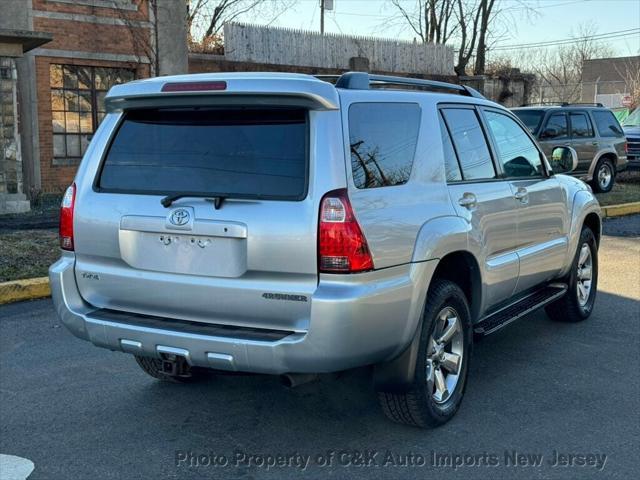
(303, 91)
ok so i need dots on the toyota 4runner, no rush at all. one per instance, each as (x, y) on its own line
(282, 224)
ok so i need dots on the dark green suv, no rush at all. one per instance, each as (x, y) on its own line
(591, 129)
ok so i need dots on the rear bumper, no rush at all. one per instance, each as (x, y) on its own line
(623, 163)
(355, 320)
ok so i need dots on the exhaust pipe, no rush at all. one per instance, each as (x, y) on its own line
(292, 380)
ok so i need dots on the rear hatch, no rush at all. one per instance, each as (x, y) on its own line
(234, 242)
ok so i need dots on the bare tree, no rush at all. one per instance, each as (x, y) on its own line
(143, 40)
(630, 73)
(431, 20)
(465, 22)
(468, 18)
(487, 14)
(207, 17)
(560, 69)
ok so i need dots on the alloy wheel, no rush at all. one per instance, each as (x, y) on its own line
(604, 176)
(445, 353)
(584, 274)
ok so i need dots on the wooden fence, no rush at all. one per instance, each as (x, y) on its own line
(284, 46)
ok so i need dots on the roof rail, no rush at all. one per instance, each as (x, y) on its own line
(328, 78)
(593, 104)
(363, 81)
(562, 104)
(541, 104)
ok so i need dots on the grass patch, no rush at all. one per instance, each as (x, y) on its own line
(27, 253)
(45, 204)
(625, 190)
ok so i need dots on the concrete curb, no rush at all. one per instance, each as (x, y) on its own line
(621, 209)
(28, 289)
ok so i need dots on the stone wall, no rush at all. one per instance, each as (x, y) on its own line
(10, 160)
(511, 89)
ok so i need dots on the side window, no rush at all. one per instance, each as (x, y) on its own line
(451, 166)
(607, 124)
(580, 126)
(556, 127)
(516, 151)
(382, 138)
(470, 143)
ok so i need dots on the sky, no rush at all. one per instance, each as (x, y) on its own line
(554, 20)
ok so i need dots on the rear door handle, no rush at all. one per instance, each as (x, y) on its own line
(522, 195)
(468, 200)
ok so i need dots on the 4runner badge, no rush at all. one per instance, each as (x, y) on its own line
(284, 296)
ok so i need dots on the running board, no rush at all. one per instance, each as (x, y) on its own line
(512, 312)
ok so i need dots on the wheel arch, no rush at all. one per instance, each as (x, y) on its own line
(609, 154)
(593, 221)
(459, 267)
(585, 210)
(462, 268)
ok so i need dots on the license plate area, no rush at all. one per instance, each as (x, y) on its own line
(184, 253)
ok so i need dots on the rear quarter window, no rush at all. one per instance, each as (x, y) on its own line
(607, 124)
(239, 152)
(382, 141)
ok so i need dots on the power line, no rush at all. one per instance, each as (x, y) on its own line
(572, 39)
(567, 41)
(519, 7)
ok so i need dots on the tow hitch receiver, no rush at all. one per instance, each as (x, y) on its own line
(175, 365)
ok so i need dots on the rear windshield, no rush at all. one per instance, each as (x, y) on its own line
(530, 118)
(241, 152)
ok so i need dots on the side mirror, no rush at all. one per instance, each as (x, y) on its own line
(549, 132)
(564, 160)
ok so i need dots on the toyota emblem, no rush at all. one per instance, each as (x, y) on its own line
(179, 217)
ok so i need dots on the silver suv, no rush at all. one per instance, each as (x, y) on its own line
(282, 224)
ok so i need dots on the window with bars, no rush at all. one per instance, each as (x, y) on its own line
(77, 106)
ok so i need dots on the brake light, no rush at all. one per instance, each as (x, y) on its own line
(193, 86)
(66, 218)
(342, 247)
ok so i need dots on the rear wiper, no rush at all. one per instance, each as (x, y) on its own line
(216, 199)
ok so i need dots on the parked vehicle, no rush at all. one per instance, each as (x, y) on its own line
(631, 127)
(280, 224)
(592, 130)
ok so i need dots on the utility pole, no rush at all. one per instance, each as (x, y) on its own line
(322, 17)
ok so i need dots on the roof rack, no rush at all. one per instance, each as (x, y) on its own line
(593, 104)
(542, 104)
(562, 104)
(364, 81)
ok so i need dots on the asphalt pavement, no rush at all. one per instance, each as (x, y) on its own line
(544, 400)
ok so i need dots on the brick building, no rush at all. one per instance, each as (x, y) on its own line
(60, 85)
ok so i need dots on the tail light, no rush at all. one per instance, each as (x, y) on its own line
(342, 247)
(66, 218)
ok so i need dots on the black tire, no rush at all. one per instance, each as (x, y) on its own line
(153, 367)
(416, 406)
(604, 164)
(568, 308)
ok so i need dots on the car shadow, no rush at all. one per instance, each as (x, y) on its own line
(534, 371)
